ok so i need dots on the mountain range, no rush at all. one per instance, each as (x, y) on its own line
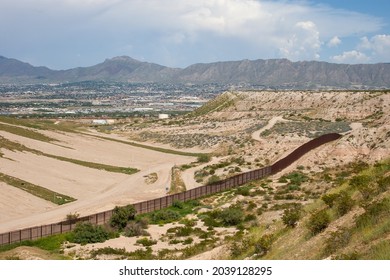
(279, 73)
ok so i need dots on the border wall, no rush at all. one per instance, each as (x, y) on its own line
(165, 201)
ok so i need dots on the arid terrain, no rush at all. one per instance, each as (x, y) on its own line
(238, 131)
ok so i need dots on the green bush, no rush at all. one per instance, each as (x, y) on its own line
(348, 256)
(296, 178)
(384, 184)
(264, 244)
(188, 223)
(360, 181)
(337, 240)
(146, 242)
(204, 158)
(164, 216)
(344, 203)
(178, 204)
(329, 199)
(213, 179)
(188, 241)
(291, 216)
(183, 231)
(374, 214)
(231, 216)
(121, 216)
(318, 221)
(86, 232)
(244, 190)
(135, 229)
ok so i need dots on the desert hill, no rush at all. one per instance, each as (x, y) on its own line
(332, 203)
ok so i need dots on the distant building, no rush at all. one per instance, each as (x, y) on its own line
(99, 122)
(163, 116)
(143, 109)
(103, 122)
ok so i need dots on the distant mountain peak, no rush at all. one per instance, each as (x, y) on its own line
(123, 58)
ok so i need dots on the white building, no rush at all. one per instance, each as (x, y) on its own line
(163, 116)
(99, 122)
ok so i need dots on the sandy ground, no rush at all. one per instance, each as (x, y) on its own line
(95, 190)
(26, 203)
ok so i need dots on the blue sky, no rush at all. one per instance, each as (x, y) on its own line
(62, 34)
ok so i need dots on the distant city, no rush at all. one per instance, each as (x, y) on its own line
(105, 99)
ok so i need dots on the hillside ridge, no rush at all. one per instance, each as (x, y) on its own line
(268, 73)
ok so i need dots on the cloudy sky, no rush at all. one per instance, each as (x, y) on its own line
(62, 34)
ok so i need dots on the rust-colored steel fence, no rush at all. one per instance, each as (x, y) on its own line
(165, 201)
(302, 150)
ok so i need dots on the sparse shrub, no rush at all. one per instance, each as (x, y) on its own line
(72, 217)
(188, 241)
(250, 217)
(174, 241)
(164, 216)
(178, 204)
(375, 212)
(293, 187)
(204, 158)
(348, 256)
(337, 240)
(135, 229)
(121, 216)
(183, 231)
(146, 242)
(326, 177)
(291, 216)
(251, 206)
(282, 179)
(239, 246)
(188, 223)
(330, 198)
(318, 221)
(379, 251)
(231, 216)
(360, 181)
(244, 190)
(108, 251)
(359, 166)
(384, 184)
(344, 203)
(264, 244)
(214, 179)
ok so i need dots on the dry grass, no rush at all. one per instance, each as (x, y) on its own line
(177, 183)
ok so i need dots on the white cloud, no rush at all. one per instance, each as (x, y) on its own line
(372, 50)
(351, 57)
(335, 41)
(303, 43)
(175, 28)
(378, 45)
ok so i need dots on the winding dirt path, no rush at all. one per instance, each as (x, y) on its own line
(271, 123)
